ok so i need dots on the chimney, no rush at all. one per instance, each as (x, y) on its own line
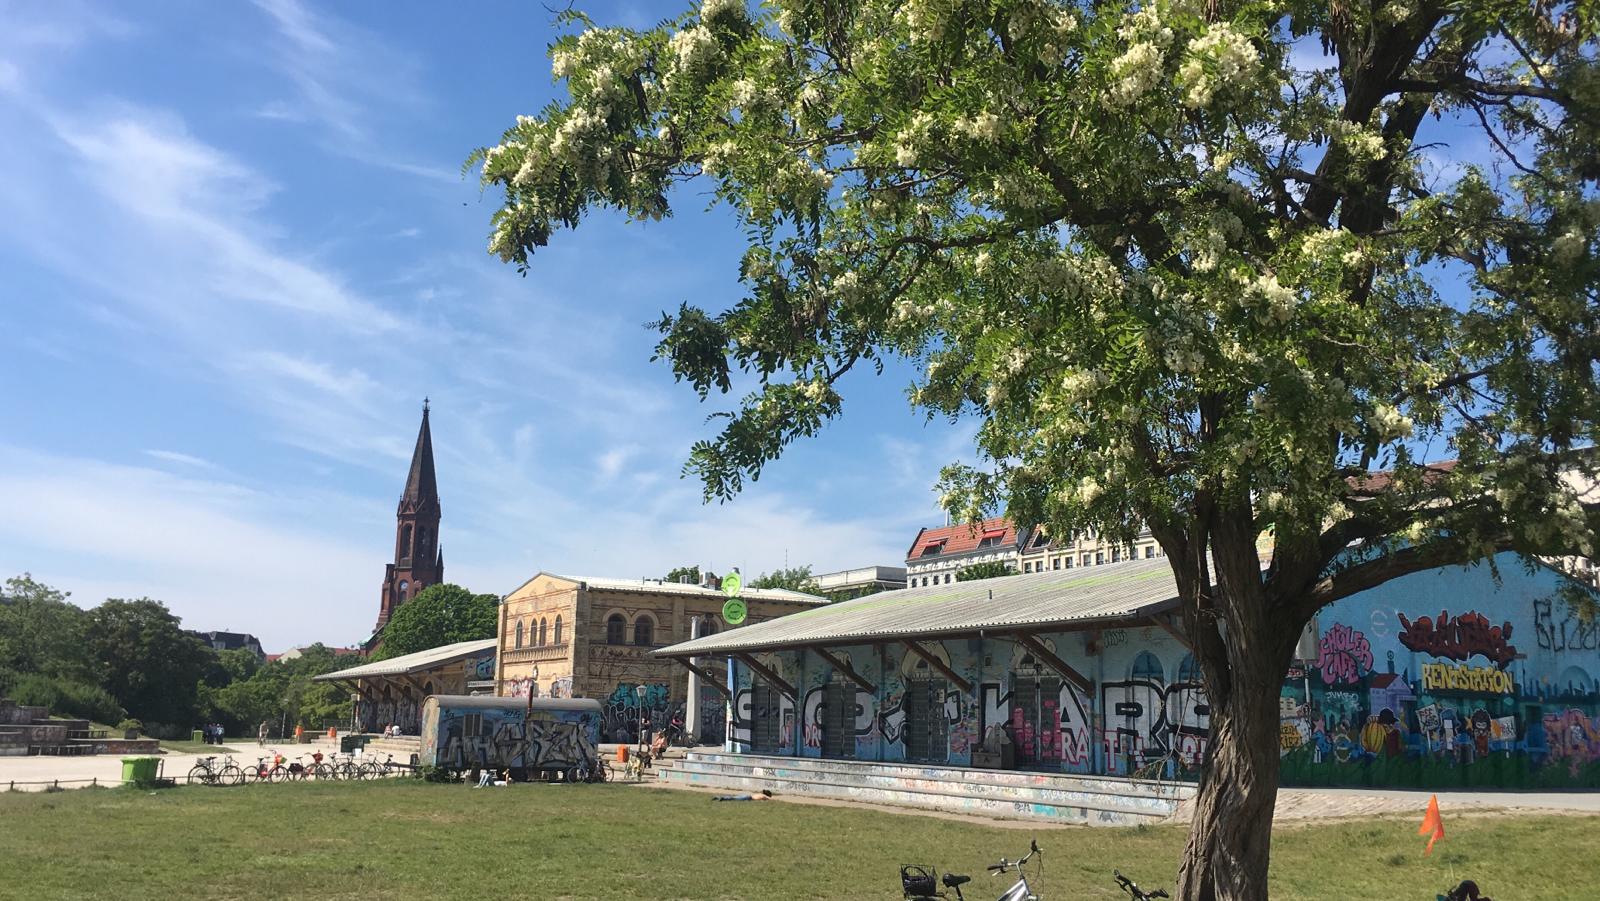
(683, 579)
(710, 580)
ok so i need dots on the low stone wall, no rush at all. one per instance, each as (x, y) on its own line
(14, 714)
(122, 745)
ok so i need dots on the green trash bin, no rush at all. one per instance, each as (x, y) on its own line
(140, 770)
(199, 737)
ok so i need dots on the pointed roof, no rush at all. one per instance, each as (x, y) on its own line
(421, 486)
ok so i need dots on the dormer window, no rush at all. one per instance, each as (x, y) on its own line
(933, 548)
(992, 538)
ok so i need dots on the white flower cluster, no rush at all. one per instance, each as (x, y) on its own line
(1135, 72)
(1208, 243)
(1363, 145)
(1396, 11)
(985, 126)
(1390, 423)
(1220, 58)
(918, 132)
(711, 10)
(1081, 384)
(1569, 247)
(1280, 301)
(693, 50)
(816, 390)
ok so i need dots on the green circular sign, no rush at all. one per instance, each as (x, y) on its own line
(734, 611)
(731, 585)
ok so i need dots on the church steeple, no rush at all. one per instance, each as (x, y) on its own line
(422, 488)
(418, 557)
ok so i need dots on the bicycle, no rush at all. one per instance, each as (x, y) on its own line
(375, 770)
(345, 768)
(207, 771)
(260, 771)
(589, 769)
(919, 882)
(1132, 888)
(1467, 890)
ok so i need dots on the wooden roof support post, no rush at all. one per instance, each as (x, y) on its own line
(844, 670)
(1162, 621)
(773, 679)
(1048, 658)
(936, 663)
(706, 676)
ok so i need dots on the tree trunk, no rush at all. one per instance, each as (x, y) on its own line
(1230, 837)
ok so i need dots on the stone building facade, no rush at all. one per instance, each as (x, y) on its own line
(563, 636)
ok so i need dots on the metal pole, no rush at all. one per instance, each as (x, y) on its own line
(691, 703)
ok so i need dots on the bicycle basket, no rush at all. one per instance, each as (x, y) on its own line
(919, 882)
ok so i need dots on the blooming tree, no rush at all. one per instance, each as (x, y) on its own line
(1215, 266)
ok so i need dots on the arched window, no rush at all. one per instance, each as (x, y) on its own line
(1188, 669)
(544, 632)
(644, 630)
(1146, 666)
(708, 626)
(558, 629)
(405, 542)
(616, 629)
(519, 633)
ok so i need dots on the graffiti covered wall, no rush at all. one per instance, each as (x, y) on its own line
(510, 738)
(1448, 679)
(1442, 678)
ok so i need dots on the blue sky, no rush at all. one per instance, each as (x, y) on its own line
(235, 254)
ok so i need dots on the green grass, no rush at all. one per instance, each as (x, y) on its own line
(406, 839)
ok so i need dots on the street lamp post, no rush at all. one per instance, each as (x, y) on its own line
(644, 741)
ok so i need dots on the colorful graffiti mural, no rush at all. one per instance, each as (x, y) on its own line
(1399, 691)
(500, 733)
(626, 710)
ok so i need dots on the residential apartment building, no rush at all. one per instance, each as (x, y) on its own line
(938, 554)
(1042, 552)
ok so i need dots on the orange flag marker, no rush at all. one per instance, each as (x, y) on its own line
(1432, 824)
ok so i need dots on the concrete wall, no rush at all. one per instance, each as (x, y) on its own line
(1450, 677)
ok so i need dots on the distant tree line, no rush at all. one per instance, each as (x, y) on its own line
(132, 660)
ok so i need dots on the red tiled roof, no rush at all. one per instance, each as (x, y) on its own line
(964, 537)
(1380, 480)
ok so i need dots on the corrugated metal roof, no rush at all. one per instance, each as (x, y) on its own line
(413, 663)
(657, 586)
(1117, 591)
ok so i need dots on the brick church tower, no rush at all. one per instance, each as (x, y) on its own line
(418, 559)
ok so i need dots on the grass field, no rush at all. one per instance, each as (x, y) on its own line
(413, 840)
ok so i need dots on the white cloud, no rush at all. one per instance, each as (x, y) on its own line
(179, 457)
(219, 554)
(346, 79)
(352, 386)
(611, 462)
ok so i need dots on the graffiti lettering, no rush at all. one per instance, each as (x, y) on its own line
(1569, 634)
(1458, 638)
(1478, 679)
(1343, 655)
(1145, 721)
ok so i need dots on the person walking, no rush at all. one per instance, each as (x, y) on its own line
(261, 734)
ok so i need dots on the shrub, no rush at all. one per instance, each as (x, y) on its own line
(130, 725)
(65, 696)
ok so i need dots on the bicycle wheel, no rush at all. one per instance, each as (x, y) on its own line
(199, 774)
(231, 775)
(347, 770)
(324, 772)
(278, 773)
(370, 770)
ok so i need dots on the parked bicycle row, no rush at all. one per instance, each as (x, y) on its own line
(276, 767)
